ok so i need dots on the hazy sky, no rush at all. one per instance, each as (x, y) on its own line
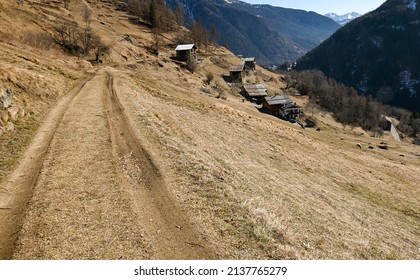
(325, 6)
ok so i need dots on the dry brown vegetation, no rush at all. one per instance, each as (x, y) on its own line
(249, 185)
(270, 190)
(35, 71)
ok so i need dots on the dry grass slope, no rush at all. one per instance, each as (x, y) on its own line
(252, 186)
(271, 190)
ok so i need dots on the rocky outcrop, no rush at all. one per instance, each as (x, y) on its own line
(13, 113)
(9, 114)
(6, 98)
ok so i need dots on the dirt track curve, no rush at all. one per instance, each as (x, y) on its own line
(86, 189)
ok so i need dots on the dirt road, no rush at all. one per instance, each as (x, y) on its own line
(92, 191)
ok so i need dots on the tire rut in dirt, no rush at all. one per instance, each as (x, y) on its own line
(78, 209)
(17, 189)
(172, 235)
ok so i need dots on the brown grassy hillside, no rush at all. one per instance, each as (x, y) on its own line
(250, 185)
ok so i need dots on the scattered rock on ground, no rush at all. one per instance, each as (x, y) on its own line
(311, 122)
(205, 89)
(13, 113)
(4, 116)
(10, 126)
(6, 97)
(22, 113)
(128, 38)
(84, 64)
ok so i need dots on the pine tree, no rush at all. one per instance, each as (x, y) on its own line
(214, 35)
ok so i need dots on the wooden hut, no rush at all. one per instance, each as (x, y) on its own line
(249, 63)
(255, 93)
(282, 106)
(186, 52)
(236, 73)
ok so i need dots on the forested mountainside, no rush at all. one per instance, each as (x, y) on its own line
(271, 34)
(377, 53)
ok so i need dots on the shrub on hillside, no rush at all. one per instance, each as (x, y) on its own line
(79, 41)
(40, 40)
(209, 78)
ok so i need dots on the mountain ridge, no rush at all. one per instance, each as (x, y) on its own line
(376, 53)
(273, 35)
(343, 19)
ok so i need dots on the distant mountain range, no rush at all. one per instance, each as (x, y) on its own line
(343, 19)
(273, 35)
(378, 53)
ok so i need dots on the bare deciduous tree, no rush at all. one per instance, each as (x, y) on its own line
(157, 41)
(209, 78)
(416, 126)
(179, 14)
(67, 37)
(214, 35)
(87, 15)
(99, 48)
(192, 65)
(86, 38)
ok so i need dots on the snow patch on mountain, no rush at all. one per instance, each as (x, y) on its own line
(412, 5)
(378, 41)
(343, 19)
(362, 86)
(408, 83)
(398, 27)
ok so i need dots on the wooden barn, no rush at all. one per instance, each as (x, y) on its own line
(249, 63)
(255, 93)
(282, 106)
(236, 73)
(186, 52)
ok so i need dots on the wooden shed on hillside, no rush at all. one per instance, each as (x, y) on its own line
(255, 93)
(187, 52)
(236, 73)
(282, 106)
(249, 63)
